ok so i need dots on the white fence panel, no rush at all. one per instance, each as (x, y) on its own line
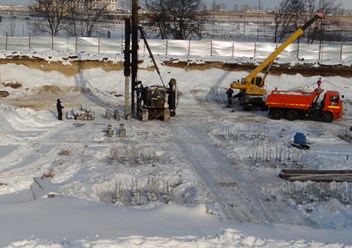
(290, 52)
(331, 52)
(243, 49)
(199, 48)
(177, 47)
(65, 44)
(41, 44)
(346, 53)
(20, 44)
(88, 45)
(263, 50)
(158, 47)
(309, 52)
(111, 46)
(222, 48)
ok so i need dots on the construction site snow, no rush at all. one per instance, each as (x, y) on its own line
(207, 178)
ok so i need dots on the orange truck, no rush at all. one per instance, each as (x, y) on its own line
(305, 105)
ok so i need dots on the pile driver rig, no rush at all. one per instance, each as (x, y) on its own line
(147, 102)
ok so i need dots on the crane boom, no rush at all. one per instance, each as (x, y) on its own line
(253, 85)
(291, 39)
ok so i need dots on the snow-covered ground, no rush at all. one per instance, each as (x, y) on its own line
(207, 178)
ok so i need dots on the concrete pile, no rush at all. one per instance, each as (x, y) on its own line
(82, 114)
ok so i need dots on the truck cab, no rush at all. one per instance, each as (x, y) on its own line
(331, 106)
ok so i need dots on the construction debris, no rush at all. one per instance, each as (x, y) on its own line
(109, 131)
(82, 114)
(122, 131)
(108, 114)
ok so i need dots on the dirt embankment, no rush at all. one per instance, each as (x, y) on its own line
(69, 66)
(276, 69)
(72, 66)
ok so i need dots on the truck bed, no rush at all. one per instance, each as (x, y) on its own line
(291, 99)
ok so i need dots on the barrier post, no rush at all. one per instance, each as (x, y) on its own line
(255, 50)
(189, 47)
(233, 49)
(211, 48)
(6, 40)
(99, 45)
(320, 55)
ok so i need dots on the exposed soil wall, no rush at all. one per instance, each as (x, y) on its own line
(73, 66)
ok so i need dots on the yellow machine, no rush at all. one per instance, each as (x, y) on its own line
(251, 87)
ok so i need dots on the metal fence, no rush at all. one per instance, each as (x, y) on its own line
(337, 53)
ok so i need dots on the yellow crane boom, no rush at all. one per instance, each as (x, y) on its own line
(253, 84)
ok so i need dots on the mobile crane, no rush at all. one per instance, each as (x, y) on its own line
(250, 88)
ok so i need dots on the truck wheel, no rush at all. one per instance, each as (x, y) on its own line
(328, 117)
(276, 114)
(291, 115)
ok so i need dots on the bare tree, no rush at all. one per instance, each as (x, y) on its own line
(292, 12)
(53, 11)
(317, 30)
(287, 18)
(82, 19)
(178, 19)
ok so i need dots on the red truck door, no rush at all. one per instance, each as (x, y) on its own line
(332, 105)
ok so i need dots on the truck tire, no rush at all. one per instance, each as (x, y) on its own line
(327, 117)
(291, 115)
(276, 114)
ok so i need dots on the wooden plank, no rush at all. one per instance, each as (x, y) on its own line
(291, 171)
(317, 175)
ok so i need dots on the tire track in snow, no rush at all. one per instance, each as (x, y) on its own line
(204, 164)
(219, 177)
(226, 185)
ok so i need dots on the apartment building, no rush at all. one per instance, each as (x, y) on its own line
(111, 4)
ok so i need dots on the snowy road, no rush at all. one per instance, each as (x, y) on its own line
(227, 186)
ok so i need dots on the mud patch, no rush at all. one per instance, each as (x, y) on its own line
(52, 89)
(14, 85)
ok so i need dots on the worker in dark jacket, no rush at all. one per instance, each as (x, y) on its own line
(59, 109)
(229, 93)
